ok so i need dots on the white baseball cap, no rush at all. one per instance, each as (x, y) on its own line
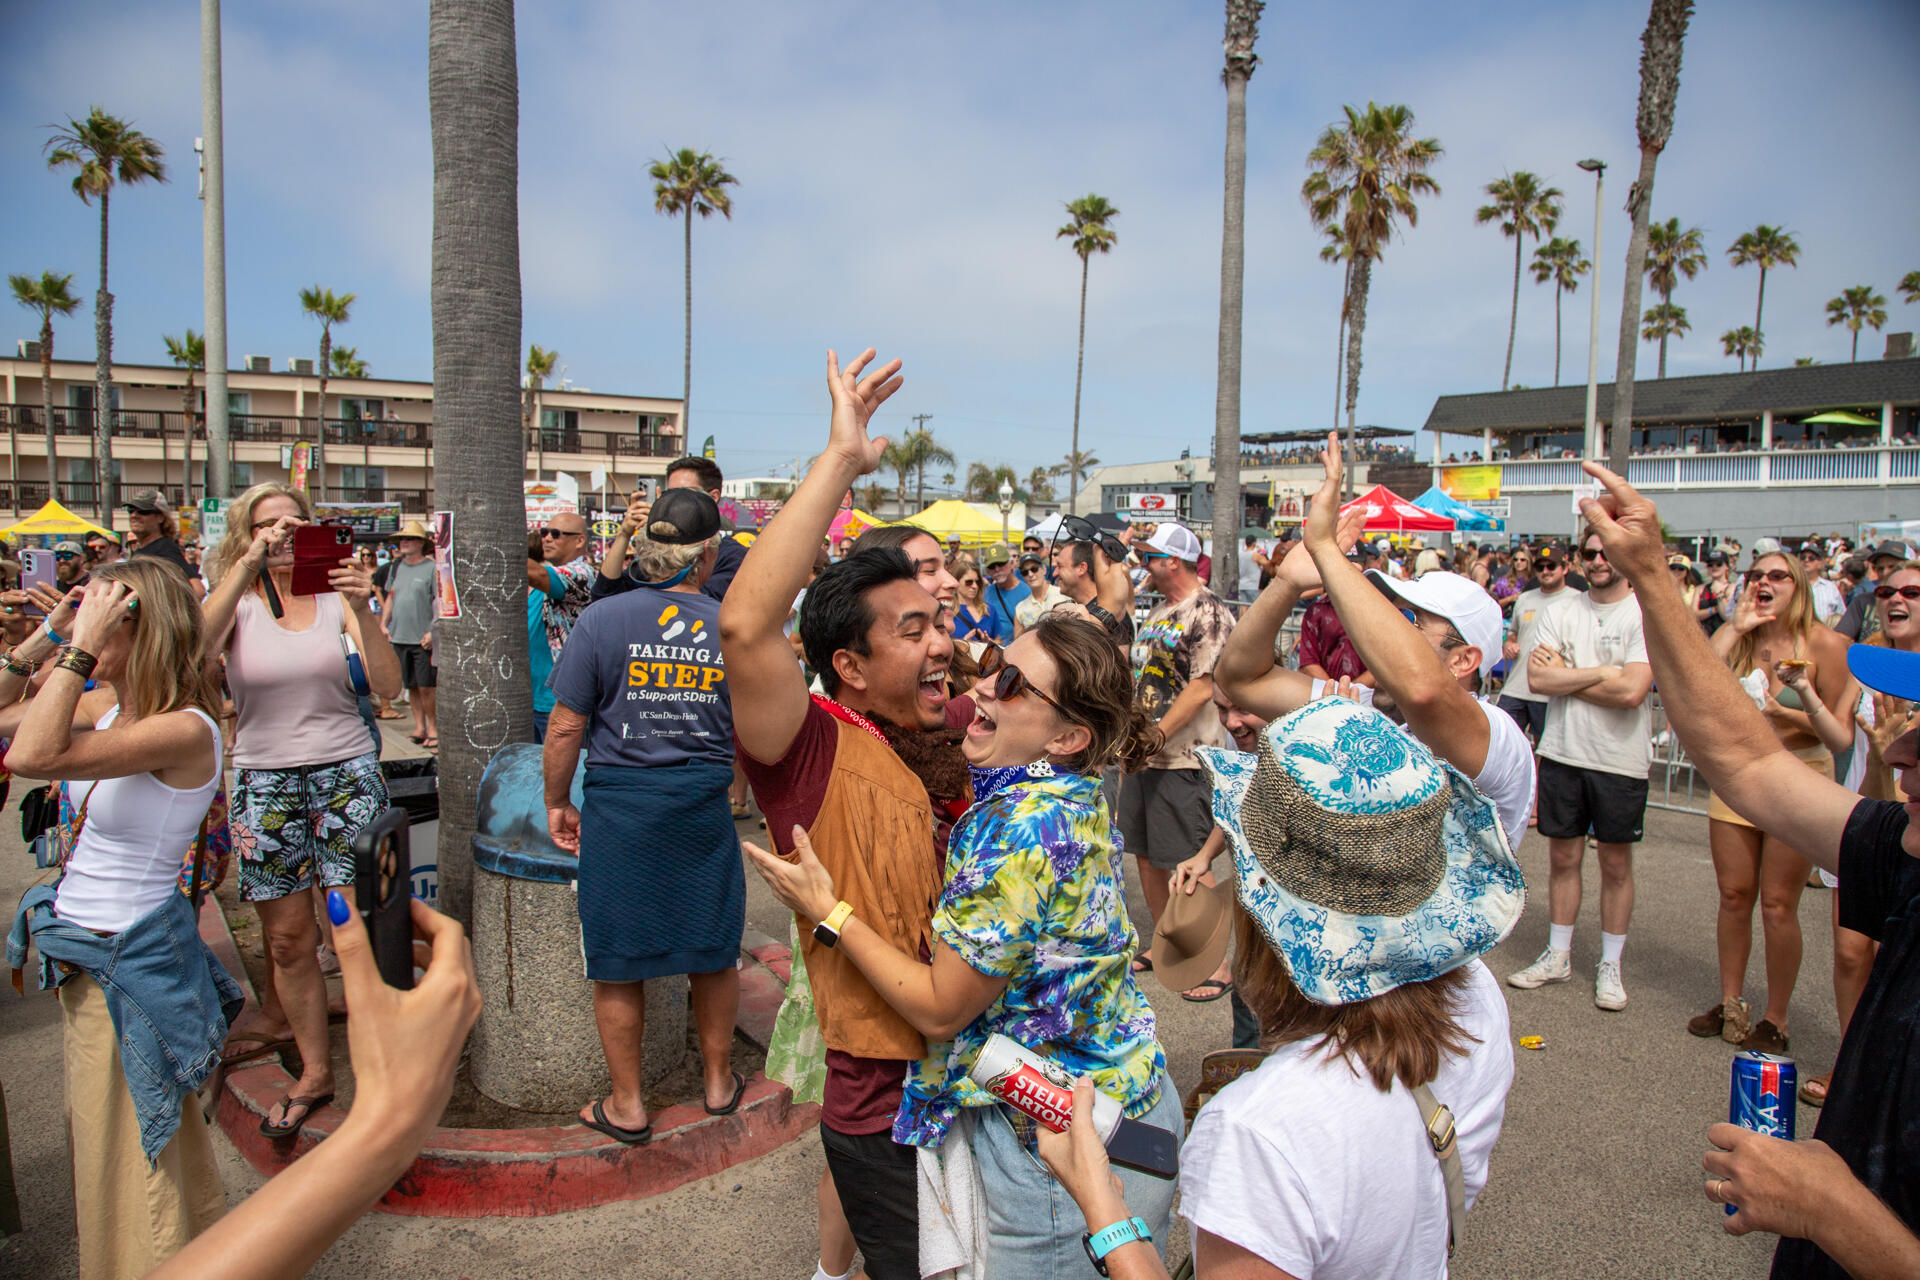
(1461, 601)
(1171, 538)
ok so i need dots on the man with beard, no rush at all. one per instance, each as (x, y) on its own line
(858, 769)
(1590, 659)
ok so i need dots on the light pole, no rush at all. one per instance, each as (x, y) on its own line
(213, 235)
(1006, 509)
(1598, 168)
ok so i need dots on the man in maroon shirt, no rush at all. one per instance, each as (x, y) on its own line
(872, 772)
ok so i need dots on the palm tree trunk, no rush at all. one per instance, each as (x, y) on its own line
(186, 463)
(1079, 367)
(1856, 345)
(1557, 292)
(1513, 314)
(1356, 334)
(686, 366)
(539, 436)
(1666, 312)
(1758, 306)
(1639, 202)
(46, 405)
(1340, 346)
(485, 701)
(320, 412)
(105, 499)
(1227, 504)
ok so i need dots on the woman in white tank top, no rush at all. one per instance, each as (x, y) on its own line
(146, 774)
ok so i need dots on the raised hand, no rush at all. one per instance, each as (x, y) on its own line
(1893, 718)
(636, 518)
(353, 582)
(854, 401)
(1746, 614)
(270, 541)
(1628, 525)
(106, 606)
(1323, 515)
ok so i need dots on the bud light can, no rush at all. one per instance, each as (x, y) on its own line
(1763, 1095)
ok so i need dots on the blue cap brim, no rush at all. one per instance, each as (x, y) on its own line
(1891, 671)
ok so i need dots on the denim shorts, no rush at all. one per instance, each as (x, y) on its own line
(293, 828)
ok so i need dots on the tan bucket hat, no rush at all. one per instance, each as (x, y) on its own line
(1191, 939)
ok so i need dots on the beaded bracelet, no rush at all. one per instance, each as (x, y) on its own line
(20, 666)
(78, 661)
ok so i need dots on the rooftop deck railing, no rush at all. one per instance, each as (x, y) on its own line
(1875, 465)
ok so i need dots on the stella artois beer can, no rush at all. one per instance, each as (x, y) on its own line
(1023, 1079)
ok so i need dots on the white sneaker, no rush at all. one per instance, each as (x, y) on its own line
(1608, 992)
(1552, 966)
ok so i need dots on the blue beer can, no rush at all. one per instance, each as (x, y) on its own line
(1763, 1095)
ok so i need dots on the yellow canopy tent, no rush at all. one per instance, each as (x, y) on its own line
(51, 520)
(951, 517)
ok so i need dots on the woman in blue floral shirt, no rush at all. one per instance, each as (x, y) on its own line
(1033, 937)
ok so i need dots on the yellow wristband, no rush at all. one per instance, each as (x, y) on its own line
(837, 918)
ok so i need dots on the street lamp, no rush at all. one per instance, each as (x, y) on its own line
(1598, 168)
(1006, 508)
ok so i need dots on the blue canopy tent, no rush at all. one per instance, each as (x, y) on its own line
(1465, 518)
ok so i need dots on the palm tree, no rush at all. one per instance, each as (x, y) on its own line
(540, 366)
(190, 353)
(1522, 207)
(1090, 231)
(329, 309)
(1802, 362)
(984, 480)
(1764, 247)
(871, 496)
(107, 151)
(1909, 287)
(485, 699)
(1661, 321)
(1243, 28)
(1857, 305)
(924, 449)
(1672, 253)
(1743, 342)
(1040, 484)
(1367, 172)
(947, 478)
(899, 458)
(348, 364)
(1559, 260)
(50, 296)
(1335, 250)
(685, 183)
(1660, 47)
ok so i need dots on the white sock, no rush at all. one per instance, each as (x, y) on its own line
(1560, 937)
(820, 1272)
(1611, 945)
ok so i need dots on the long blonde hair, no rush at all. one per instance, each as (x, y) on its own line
(1799, 617)
(240, 525)
(166, 666)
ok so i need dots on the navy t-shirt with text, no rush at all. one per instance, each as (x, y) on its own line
(645, 668)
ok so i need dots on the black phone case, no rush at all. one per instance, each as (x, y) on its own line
(1145, 1148)
(389, 918)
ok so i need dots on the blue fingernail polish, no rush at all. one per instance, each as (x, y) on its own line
(337, 909)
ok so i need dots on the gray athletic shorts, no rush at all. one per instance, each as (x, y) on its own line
(1165, 814)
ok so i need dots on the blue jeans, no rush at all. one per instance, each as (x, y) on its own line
(540, 725)
(1033, 1226)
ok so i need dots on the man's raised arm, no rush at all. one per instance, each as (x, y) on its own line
(766, 686)
(1246, 672)
(1725, 735)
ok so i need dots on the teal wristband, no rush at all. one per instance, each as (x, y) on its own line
(56, 637)
(1102, 1243)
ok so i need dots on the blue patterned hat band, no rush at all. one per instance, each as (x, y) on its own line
(1365, 861)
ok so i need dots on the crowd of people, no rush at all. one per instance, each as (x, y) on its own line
(953, 757)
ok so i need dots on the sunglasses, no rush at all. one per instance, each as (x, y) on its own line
(551, 532)
(1775, 576)
(1595, 553)
(1009, 682)
(1888, 593)
(1034, 568)
(1080, 529)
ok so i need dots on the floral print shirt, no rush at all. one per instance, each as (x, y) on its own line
(1035, 893)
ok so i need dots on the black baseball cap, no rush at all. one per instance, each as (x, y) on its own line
(1551, 553)
(683, 517)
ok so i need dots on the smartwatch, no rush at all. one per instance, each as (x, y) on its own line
(827, 932)
(1099, 1244)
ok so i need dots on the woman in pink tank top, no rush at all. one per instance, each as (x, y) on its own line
(307, 770)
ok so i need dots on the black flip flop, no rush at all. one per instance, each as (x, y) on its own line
(416, 738)
(1224, 987)
(733, 1103)
(312, 1104)
(1143, 964)
(263, 1045)
(631, 1137)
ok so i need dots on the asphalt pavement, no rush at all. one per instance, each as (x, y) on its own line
(1597, 1172)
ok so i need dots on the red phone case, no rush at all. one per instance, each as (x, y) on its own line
(318, 550)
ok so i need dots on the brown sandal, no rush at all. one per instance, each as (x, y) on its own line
(1814, 1089)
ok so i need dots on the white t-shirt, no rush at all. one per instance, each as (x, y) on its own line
(1249, 574)
(1581, 733)
(1507, 777)
(1527, 612)
(1306, 1164)
(1828, 603)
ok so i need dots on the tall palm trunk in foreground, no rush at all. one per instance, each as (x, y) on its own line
(1243, 28)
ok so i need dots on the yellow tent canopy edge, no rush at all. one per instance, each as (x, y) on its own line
(52, 519)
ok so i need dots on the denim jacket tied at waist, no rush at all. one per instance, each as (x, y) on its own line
(170, 999)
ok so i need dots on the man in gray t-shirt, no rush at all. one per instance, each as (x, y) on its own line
(407, 613)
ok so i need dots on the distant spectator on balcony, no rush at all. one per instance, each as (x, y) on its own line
(682, 473)
(155, 532)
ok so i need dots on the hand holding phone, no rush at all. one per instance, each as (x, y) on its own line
(37, 567)
(383, 892)
(318, 550)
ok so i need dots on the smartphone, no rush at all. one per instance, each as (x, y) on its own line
(36, 570)
(318, 550)
(383, 890)
(1145, 1148)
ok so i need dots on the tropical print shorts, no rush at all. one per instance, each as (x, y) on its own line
(294, 827)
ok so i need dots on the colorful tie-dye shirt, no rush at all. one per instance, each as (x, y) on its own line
(1035, 893)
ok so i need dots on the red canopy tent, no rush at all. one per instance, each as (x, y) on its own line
(1388, 512)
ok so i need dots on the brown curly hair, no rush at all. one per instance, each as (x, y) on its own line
(1096, 689)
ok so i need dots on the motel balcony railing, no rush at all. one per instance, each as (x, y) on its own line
(1872, 467)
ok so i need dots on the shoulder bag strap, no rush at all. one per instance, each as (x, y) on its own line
(1438, 1122)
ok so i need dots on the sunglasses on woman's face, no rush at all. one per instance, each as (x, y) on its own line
(1009, 682)
(1888, 593)
(1775, 576)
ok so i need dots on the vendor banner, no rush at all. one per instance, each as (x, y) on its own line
(548, 498)
(1468, 483)
(363, 517)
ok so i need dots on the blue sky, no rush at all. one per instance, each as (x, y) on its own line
(903, 170)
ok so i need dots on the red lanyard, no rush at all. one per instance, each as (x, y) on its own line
(849, 716)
